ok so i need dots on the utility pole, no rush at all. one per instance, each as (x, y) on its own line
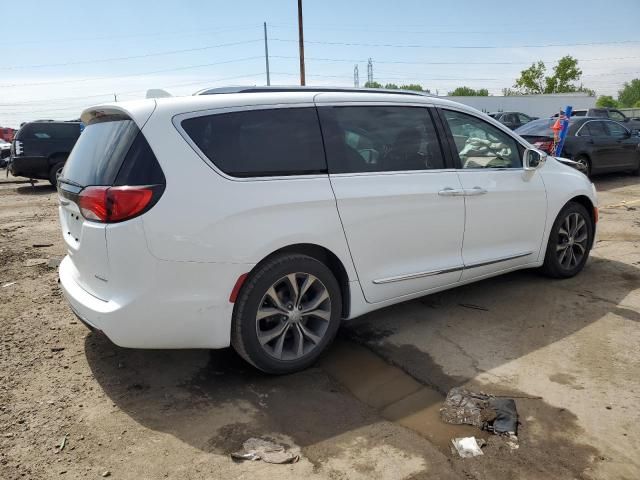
(370, 71)
(301, 43)
(266, 53)
(115, 97)
(356, 76)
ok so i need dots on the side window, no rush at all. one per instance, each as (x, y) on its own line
(481, 145)
(523, 118)
(594, 129)
(616, 130)
(380, 139)
(259, 143)
(617, 116)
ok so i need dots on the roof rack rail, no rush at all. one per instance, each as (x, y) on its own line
(297, 88)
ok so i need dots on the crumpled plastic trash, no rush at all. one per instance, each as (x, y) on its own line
(265, 450)
(497, 415)
(467, 447)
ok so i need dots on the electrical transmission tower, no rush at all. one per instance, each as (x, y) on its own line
(356, 76)
(370, 71)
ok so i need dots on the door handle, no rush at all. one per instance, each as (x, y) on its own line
(472, 192)
(451, 192)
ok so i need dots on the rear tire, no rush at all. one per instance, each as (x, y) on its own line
(54, 173)
(586, 163)
(569, 242)
(287, 313)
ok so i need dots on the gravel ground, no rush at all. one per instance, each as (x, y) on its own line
(73, 405)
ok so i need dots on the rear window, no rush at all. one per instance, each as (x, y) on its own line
(46, 131)
(111, 151)
(257, 143)
(540, 127)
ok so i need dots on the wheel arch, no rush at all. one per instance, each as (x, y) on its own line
(590, 207)
(324, 255)
(57, 157)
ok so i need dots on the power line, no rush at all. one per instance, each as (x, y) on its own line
(129, 92)
(130, 57)
(401, 62)
(175, 69)
(180, 33)
(355, 44)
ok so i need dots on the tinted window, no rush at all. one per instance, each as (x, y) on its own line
(613, 115)
(99, 152)
(523, 118)
(540, 127)
(140, 166)
(594, 129)
(616, 130)
(380, 139)
(285, 141)
(44, 131)
(480, 144)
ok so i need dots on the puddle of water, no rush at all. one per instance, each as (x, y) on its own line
(396, 395)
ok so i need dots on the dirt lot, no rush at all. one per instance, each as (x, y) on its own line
(568, 350)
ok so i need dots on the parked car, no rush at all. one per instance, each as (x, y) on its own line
(40, 149)
(261, 220)
(598, 144)
(5, 150)
(512, 120)
(610, 113)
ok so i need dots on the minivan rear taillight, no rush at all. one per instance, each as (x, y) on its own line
(116, 204)
(545, 146)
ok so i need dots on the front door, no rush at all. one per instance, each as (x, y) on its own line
(624, 146)
(400, 204)
(506, 206)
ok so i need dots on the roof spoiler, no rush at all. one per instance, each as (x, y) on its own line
(157, 93)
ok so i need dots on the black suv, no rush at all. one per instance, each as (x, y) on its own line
(40, 149)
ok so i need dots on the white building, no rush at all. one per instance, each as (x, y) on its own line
(533, 105)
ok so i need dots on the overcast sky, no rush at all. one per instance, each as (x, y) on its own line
(59, 57)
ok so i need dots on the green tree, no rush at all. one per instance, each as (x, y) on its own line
(508, 92)
(415, 87)
(373, 85)
(606, 101)
(469, 92)
(630, 93)
(533, 80)
(391, 86)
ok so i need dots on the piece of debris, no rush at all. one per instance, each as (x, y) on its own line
(54, 262)
(32, 262)
(42, 245)
(57, 349)
(467, 447)
(106, 473)
(497, 415)
(473, 307)
(63, 443)
(259, 449)
(8, 284)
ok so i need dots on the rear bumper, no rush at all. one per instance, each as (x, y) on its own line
(182, 305)
(31, 167)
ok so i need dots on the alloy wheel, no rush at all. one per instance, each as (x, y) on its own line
(573, 236)
(293, 316)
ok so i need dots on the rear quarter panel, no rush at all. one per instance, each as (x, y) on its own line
(206, 217)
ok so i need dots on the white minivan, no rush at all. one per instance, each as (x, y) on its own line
(262, 217)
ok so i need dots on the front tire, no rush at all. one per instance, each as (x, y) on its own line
(287, 314)
(569, 243)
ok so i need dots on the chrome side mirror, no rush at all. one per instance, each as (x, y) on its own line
(533, 159)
